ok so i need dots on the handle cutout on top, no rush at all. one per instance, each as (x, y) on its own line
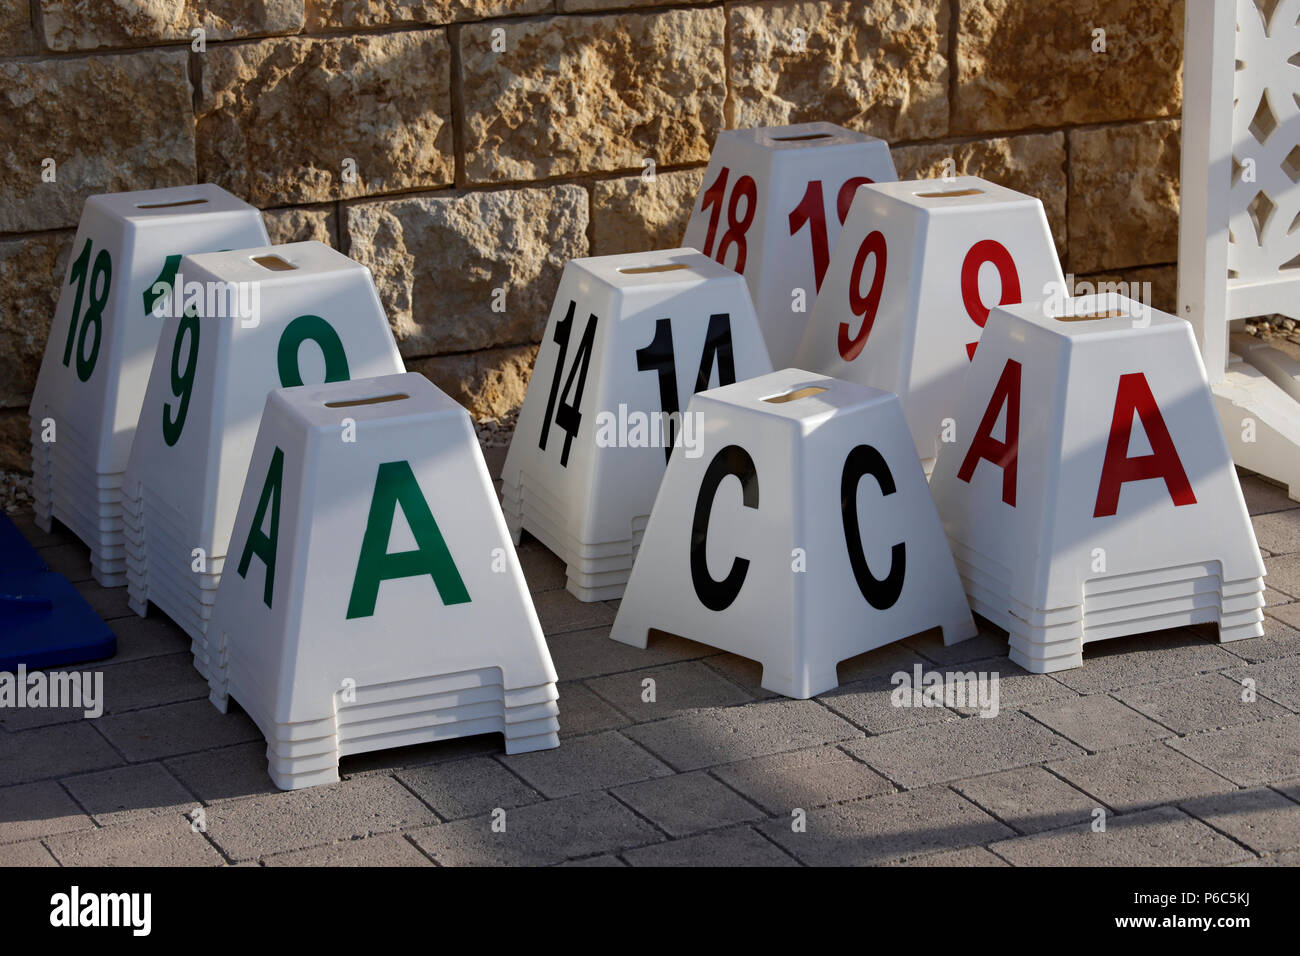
(950, 194)
(643, 270)
(800, 139)
(377, 400)
(274, 263)
(806, 392)
(1090, 316)
(170, 205)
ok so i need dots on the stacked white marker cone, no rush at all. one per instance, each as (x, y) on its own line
(1089, 492)
(268, 317)
(917, 268)
(629, 340)
(373, 598)
(803, 536)
(771, 207)
(92, 380)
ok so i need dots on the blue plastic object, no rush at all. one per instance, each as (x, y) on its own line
(17, 556)
(44, 620)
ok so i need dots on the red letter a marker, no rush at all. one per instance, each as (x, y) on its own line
(1134, 395)
(1001, 453)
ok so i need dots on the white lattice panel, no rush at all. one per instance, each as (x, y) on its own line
(1264, 200)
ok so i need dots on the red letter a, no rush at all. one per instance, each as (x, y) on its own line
(1001, 453)
(1134, 395)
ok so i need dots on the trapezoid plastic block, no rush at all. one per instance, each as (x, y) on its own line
(285, 315)
(125, 264)
(1089, 492)
(771, 207)
(917, 268)
(803, 536)
(629, 340)
(374, 598)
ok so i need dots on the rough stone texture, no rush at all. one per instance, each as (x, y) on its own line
(437, 259)
(491, 383)
(578, 94)
(110, 123)
(342, 14)
(1032, 164)
(298, 223)
(278, 118)
(1124, 196)
(632, 215)
(1160, 282)
(1023, 63)
(15, 27)
(74, 25)
(878, 66)
(31, 272)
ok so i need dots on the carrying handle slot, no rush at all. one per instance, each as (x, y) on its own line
(377, 400)
(274, 263)
(793, 396)
(645, 270)
(950, 194)
(170, 205)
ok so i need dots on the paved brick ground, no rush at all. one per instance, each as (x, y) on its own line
(1152, 731)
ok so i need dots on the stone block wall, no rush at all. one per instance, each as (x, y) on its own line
(459, 147)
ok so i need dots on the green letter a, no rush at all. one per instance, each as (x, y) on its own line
(264, 545)
(395, 486)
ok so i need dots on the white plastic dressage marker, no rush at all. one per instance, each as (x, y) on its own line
(312, 315)
(373, 598)
(629, 340)
(771, 207)
(804, 536)
(1238, 247)
(124, 261)
(914, 275)
(1089, 493)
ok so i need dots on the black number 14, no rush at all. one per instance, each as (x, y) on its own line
(567, 415)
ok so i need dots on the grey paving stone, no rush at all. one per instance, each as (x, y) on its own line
(125, 793)
(1260, 818)
(31, 853)
(542, 569)
(108, 603)
(387, 849)
(1278, 531)
(596, 762)
(298, 819)
(385, 762)
(869, 704)
(950, 751)
(881, 662)
(1198, 703)
(744, 673)
(225, 773)
(578, 655)
(53, 752)
(160, 840)
(1143, 659)
(804, 778)
(72, 560)
(1284, 573)
(688, 803)
(1162, 835)
(32, 810)
(1273, 597)
(1263, 496)
(1016, 687)
(706, 738)
(1141, 777)
(176, 729)
(1029, 799)
(1097, 722)
(1290, 858)
(742, 846)
(1280, 638)
(140, 637)
(605, 859)
(559, 611)
(685, 685)
(123, 687)
(539, 834)
(1278, 680)
(887, 828)
(25, 521)
(582, 711)
(1250, 754)
(989, 642)
(971, 856)
(463, 788)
